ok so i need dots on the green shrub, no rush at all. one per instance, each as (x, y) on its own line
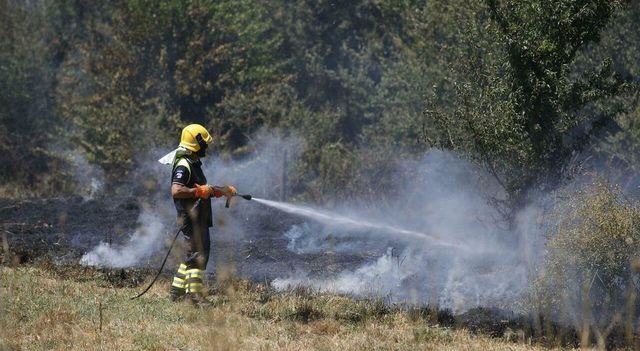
(588, 277)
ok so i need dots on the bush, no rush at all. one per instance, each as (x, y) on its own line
(588, 277)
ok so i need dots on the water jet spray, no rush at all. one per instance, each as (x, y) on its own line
(334, 218)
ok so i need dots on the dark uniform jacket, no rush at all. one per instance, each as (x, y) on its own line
(188, 172)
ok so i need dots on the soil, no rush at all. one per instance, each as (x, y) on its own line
(62, 230)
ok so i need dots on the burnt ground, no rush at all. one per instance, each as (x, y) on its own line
(47, 229)
(61, 230)
(56, 232)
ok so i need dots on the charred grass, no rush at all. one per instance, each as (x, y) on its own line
(54, 308)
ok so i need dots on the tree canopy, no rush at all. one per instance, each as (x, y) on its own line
(521, 87)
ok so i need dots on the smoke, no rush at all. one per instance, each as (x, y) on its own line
(355, 223)
(445, 197)
(89, 178)
(260, 173)
(141, 245)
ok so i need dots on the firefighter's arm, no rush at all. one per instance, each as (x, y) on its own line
(181, 191)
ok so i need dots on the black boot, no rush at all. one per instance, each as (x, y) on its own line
(196, 299)
(176, 294)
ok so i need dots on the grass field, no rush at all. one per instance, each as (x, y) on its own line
(43, 311)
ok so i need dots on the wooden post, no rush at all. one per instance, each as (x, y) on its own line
(100, 313)
(5, 247)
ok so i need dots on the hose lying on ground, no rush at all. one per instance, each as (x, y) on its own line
(165, 257)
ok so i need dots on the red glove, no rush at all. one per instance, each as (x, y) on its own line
(216, 192)
(219, 191)
(203, 191)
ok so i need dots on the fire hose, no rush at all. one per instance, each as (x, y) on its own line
(175, 237)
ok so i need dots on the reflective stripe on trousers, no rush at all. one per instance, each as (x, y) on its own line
(194, 281)
(180, 279)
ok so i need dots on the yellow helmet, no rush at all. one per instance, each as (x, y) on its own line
(195, 138)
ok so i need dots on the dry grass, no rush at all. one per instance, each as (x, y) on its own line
(43, 312)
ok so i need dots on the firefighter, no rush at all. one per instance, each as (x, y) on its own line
(191, 196)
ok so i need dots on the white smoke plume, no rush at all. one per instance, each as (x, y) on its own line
(447, 197)
(140, 246)
(90, 178)
(261, 172)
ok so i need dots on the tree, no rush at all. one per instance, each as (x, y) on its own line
(524, 108)
(27, 123)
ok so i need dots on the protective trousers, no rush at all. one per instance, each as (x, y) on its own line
(188, 279)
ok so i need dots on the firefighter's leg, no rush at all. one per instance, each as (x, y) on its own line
(197, 262)
(179, 284)
(204, 248)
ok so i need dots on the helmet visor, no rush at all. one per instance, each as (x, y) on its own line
(203, 145)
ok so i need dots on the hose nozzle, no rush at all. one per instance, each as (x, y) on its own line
(244, 196)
